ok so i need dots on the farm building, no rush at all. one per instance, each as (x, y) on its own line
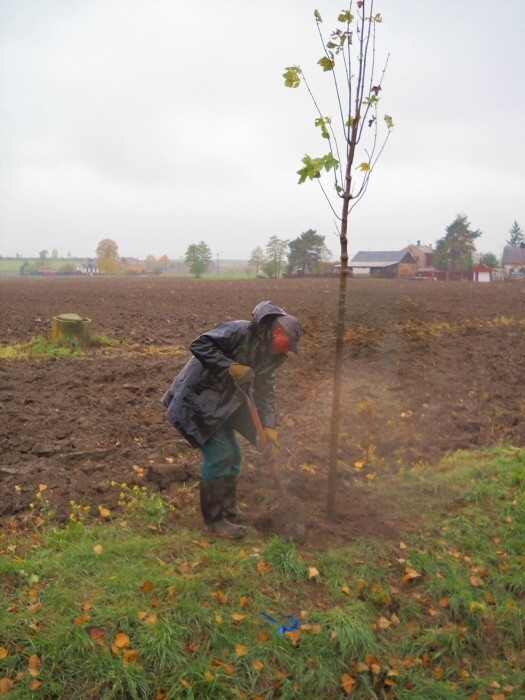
(513, 259)
(482, 273)
(387, 264)
(422, 254)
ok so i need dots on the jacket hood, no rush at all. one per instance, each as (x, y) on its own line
(268, 310)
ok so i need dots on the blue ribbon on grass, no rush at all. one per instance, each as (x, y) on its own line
(281, 629)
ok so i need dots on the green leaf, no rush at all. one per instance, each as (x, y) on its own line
(317, 16)
(345, 17)
(291, 76)
(313, 166)
(364, 167)
(371, 100)
(377, 18)
(389, 121)
(322, 122)
(326, 63)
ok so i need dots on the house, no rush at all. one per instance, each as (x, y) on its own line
(513, 259)
(422, 254)
(388, 264)
(482, 273)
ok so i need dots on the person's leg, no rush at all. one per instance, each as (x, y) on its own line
(220, 465)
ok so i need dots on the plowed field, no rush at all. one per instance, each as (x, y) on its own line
(429, 368)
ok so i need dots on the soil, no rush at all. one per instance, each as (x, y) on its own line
(429, 368)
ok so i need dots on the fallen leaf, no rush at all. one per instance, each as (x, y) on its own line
(3, 652)
(243, 600)
(240, 649)
(444, 602)
(80, 620)
(347, 683)
(293, 635)
(35, 684)
(410, 574)
(104, 512)
(345, 590)
(263, 566)
(312, 572)
(218, 619)
(98, 549)
(121, 640)
(208, 676)
(140, 471)
(383, 623)
(237, 617)
(97, 635)
(221, 597)
(475, 581)
(129, 655)
(147, 586)
(5, 685)
(42, 487)
(33, 665)
(262, 636)
(359, 465)
(150, 620)
(185, 682)
(257, 665)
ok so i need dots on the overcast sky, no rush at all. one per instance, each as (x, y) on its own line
(160, 123)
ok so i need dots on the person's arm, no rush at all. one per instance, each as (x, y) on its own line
(216, 349)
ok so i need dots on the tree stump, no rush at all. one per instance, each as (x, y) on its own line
(71, 327)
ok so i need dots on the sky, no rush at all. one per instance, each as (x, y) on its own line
(161, 123)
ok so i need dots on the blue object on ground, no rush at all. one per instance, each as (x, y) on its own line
(294, 623)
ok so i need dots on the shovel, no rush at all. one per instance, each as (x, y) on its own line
(263, 439)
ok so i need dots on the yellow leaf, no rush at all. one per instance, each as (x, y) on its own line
(208, 676)
(237, 617)
(243, 600)
(410, 574)
(35, 684)
(364, 167)
(104, 512)
(221, 597)
(42, 487)
(121, 640)
(383, 623)
(218, 619)
(169, 460)
(257, 665)
(80, 620)
(140, 471)
(359, 465)
(293, 635)
(370, 476)
(150, 620)
(98, 549)
(185, 682)
(312, 572)
(129, 655)
(240, 649)
(345, 590)
(402, 545)
(347, 683)
(3, 652)
(33, 665)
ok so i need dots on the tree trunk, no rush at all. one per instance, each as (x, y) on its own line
(68, 327)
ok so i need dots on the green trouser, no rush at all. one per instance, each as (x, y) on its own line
(221, 454)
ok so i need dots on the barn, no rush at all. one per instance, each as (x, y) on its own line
(386, 264)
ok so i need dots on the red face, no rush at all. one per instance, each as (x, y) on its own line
(280, 341)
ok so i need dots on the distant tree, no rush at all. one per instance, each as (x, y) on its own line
(275, 255)
(68, 255)
(151, 262)
(307, 252)
(198, 258)
(256, 259)
(107, 254)
(489, 259)
(43, 255)
(54, 253)
(456, 249)
(517, 237)
(164, 263)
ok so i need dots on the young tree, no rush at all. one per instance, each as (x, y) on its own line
(349, 59)
(275, 255)
(151, 262)
(43, 256)
(455, 251)
(107, 254)
(164, 263)
(517, 237)
(490, 260)
(256, 259)
(198, 258)
(307, 252)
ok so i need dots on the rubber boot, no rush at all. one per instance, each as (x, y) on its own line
(230, 509)
(212, 493)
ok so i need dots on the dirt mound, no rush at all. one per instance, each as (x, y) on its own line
(429, 368)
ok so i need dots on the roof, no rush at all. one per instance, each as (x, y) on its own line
(513, 254)
(380, 258)
(422, 248)
(481, 267)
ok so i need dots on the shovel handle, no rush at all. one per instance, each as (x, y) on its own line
(263, 438)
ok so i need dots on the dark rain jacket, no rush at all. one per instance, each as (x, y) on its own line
(203, 395)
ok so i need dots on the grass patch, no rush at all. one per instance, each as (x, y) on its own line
(117, 610)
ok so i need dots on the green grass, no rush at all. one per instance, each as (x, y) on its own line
(117, 610)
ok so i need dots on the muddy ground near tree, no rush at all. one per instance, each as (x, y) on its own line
(429, 368)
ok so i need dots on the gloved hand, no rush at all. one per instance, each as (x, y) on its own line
(242, 374)
(271, 450)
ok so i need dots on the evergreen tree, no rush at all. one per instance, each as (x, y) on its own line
(307, 252)
(517, 237)
(456, 249)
